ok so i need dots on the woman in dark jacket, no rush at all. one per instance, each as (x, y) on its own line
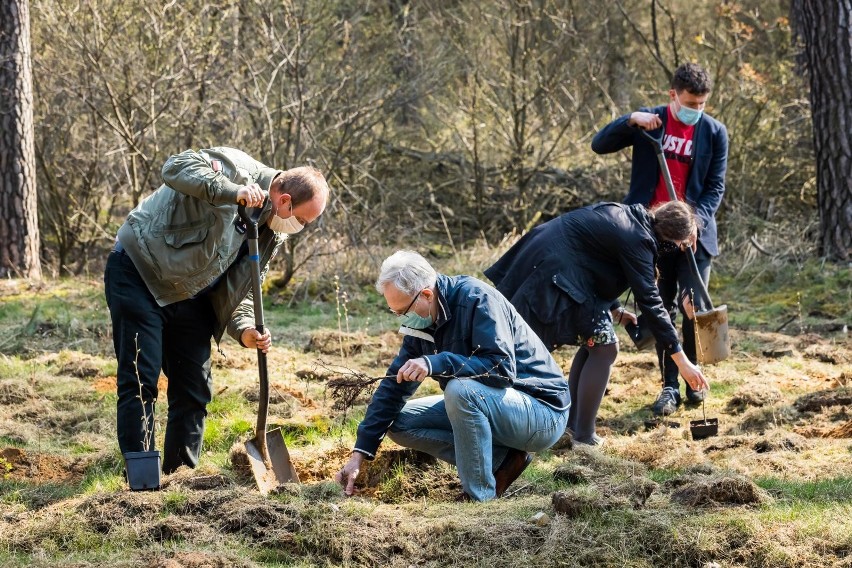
(565, 278)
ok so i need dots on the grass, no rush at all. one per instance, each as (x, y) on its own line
(820, 491)
(53, 363)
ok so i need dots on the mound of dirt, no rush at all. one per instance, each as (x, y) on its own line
(574, 474)
(753, 395)
(280, 393)
(574, 504)
(778, 440)
(702, 491)
(816, 401)
(81, 366)
(387, 460)
(195, 479)
(15, 392)
(842, 431)
(331, 342)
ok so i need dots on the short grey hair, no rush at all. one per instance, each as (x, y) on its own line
(407, 271)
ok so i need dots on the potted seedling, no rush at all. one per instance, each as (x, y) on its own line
(705, 428)
(143, 468)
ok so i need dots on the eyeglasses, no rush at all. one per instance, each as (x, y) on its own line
(405, 311)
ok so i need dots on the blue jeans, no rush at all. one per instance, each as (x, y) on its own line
(473, 426)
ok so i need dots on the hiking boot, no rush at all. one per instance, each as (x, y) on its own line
(667, 402)
(513, 465)
(695, 397)
(595, 442)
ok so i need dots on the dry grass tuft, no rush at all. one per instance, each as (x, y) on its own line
(779, 440)
(198, 560)
(703, 491)
(576, 504)
(816, 401)
(663, 448)
(15, 392)
(753, 395)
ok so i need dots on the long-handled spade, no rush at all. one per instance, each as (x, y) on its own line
(267, 452)
(711, 324)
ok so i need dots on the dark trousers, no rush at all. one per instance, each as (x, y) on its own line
(148, 338)
(675, 275)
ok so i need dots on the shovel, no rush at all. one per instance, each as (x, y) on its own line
(267, 452)
(711, 324)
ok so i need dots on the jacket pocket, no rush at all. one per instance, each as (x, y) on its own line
(564, 284)
(186, 251)
(180, 236)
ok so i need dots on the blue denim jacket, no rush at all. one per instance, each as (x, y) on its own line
(478, 335)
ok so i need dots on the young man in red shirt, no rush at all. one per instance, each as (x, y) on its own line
(696, 150)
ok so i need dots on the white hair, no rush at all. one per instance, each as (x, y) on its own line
(407, 271)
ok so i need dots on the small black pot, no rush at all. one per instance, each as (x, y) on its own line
(701, 429)
(143, 470)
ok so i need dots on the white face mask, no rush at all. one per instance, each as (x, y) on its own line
(288, 226)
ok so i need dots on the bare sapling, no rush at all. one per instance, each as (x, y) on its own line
(347, 384)
(147, 419)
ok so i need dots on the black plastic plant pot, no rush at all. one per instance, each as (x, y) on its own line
(143, 470)
(701, 429)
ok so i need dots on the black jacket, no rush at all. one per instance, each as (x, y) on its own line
(565, 275)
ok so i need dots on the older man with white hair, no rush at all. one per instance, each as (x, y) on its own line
(504, 395)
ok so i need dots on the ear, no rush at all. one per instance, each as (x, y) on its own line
(428, 294)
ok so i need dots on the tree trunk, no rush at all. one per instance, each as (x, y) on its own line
(825, 26)
(19, 236)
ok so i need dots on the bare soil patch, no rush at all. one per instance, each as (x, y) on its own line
(39, 468)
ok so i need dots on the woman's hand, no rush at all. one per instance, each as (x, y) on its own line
(622, 316)
(690, 373)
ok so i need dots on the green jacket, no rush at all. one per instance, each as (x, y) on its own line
(184, 236)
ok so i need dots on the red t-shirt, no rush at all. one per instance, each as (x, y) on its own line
(677, 148)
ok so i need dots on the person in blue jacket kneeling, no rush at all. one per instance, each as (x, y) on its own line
(504, 395)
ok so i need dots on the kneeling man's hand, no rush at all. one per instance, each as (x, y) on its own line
(413, 370)
(346, 476)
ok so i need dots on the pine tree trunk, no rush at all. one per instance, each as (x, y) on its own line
(19, 236)
(825, 26)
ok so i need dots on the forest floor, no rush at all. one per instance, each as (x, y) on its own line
(773, 488)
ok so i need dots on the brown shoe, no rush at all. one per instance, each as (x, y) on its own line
(514, 465)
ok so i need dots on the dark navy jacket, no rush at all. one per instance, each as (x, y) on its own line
(478, 335)
(706, 184)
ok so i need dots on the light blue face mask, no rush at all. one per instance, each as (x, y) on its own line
(688, 116)
(415, 321)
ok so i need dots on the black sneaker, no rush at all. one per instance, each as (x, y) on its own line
(667, 402)
(695, 397)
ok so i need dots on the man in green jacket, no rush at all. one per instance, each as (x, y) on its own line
(180, 274)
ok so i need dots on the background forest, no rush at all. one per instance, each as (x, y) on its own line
(439, 123)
